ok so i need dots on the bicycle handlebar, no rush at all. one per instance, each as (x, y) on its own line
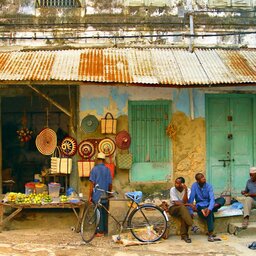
(106, 191)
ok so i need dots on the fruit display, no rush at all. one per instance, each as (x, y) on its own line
(63, 199)
(20, 198)
(42, 198)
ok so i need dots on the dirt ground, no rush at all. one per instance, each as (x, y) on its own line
(64, 242)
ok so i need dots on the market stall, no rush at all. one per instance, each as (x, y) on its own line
(18, 205)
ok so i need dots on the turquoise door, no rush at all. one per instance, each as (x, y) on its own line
(229, 126)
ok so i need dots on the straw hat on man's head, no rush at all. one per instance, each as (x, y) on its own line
(101, 156)
(253, 170)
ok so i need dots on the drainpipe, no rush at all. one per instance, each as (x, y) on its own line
(191, 103)
(191, 26)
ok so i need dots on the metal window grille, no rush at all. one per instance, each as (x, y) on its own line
(58, 3)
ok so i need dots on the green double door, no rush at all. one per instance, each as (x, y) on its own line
(230, 141)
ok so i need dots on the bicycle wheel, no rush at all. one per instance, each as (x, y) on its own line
(89, 223)
(147, 223)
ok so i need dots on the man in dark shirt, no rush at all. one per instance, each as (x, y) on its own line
(250, 196)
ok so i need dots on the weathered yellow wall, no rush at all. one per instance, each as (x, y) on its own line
(188, 149)
(188, 146)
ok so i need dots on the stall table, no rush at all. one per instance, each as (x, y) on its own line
(78, 209)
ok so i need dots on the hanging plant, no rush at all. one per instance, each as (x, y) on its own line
(24, 134)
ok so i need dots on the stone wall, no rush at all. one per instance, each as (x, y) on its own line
(188, 145)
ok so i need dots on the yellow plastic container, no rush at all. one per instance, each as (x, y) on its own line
(40, 188)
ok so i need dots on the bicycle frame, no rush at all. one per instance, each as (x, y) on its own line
(121, 223)
(128, 221)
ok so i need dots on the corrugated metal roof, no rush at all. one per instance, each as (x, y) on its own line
(169, 67)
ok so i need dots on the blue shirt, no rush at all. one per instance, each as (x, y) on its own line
(203, 196)
(100, 175)
(251, 188)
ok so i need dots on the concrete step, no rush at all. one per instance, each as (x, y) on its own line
(237, 229)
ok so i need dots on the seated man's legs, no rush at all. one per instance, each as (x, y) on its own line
(249, 203)
(209, 219)
(182, 212)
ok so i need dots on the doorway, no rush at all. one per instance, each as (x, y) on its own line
(230, 140)
(27, 109)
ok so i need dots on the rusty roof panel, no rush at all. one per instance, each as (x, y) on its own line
(159, 66)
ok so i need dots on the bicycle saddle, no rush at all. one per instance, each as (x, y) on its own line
(136, 196)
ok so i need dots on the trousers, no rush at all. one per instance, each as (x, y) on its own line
(210, 218)
(249, 203)
(103, 224)
(181, 211)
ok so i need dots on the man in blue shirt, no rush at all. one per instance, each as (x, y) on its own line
(250, 196)
(206, 205)
(101, 176)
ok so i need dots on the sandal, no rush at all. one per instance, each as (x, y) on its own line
(211, 239)
(212, 234)
(245, 223)
(99, 234)
(195, 229)
(186, 239)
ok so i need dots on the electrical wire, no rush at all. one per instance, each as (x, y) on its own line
(129, 36)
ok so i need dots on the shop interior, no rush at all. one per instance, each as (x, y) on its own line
(23, 118)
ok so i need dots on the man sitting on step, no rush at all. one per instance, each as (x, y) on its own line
(250, 196)
(206, 204)
(179, 195)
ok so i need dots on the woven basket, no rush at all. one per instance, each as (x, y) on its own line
(108, 124)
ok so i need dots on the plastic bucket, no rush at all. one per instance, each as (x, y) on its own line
(54, 189)
(40, 188)
(29, 188)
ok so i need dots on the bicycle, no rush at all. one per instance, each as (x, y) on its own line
(147, 222)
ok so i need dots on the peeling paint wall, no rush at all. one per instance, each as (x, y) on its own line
(188, 141)
(129, 23)
(189, 148)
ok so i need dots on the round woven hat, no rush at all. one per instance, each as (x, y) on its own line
(89, 123)
(46, 141)
(86, 149)
(107, 146)
(68, 146)
(123, 140)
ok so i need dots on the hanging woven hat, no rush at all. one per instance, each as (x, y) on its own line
(68, 146)
(123, 140)
(107, 146)
(86, 149)
(89, 123)
(46, 141)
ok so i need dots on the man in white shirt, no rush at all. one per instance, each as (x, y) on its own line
(179, 195)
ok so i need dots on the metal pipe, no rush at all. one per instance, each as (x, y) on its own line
(191, 25)
(191, 103)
